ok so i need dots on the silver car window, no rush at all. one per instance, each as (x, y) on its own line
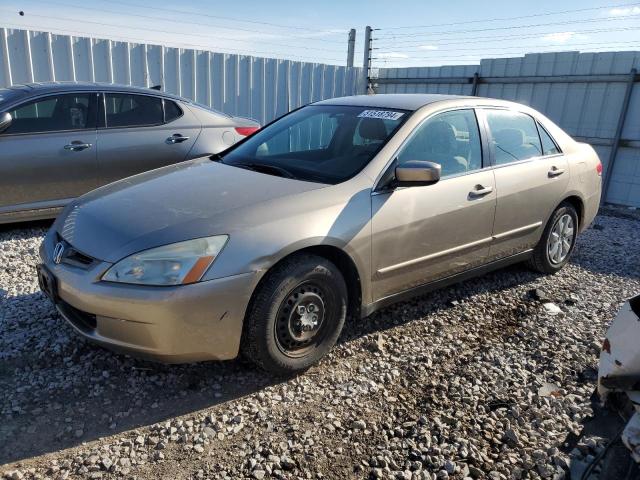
(127, 110)
(451, 139)
(549, 146)
(74, 111)
(514, 136)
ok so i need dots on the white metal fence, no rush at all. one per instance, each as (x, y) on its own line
(260, 88)
(590, 95)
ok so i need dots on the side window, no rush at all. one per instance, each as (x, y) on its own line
(75, 111)
(124, 110)
(451, 139)
(514, 136)
(549, 147)
(171, 111)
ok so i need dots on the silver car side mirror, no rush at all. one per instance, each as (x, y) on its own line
(414, 173)
(5, 121)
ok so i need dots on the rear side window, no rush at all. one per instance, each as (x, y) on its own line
(124, 110)
(171, 111)
(549, 147)
(514, 136)
(74, 111)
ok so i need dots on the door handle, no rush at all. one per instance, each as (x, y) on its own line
(480, 191)
(77, 146)
(555, 172)
(176, 138)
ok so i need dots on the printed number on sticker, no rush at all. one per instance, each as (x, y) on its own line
(383, 114)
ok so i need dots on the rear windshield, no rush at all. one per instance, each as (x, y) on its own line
(318, 143)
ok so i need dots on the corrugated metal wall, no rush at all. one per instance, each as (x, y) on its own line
(260, 88)
(586, 110)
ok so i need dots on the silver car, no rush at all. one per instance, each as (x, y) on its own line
(61, 140)
(331, 212)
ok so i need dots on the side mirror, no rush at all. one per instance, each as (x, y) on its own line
(5, 121)
(415, 173)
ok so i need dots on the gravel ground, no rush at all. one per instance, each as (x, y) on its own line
(479, 380)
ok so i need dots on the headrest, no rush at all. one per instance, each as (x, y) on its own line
(511, 137)
(372, 129)
(440, 132)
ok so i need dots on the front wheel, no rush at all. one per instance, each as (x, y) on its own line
(557, 242)
(296, 315)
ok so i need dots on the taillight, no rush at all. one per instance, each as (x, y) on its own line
(599, 168)
(246, 131)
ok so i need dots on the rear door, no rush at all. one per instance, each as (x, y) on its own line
(531, 177)
(139, 132)
(48, 153)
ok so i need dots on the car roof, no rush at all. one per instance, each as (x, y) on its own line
(403, 101)
(29, 89)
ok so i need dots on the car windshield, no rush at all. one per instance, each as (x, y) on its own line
(318, 143)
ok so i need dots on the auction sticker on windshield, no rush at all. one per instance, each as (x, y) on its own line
(383, 114)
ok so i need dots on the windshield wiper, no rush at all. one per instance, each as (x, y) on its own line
(216, 157)
(265, 168)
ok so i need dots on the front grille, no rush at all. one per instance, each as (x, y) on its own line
(73, 257)
(82, 320)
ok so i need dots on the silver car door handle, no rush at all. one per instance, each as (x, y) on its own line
(555, 172)
(176, 138)
(77, 146)
(480, 191)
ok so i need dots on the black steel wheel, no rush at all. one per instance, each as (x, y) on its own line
(296, 315)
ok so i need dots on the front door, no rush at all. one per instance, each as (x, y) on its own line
(142, 132)
(48, 153)
(421, 234)
(531, 176)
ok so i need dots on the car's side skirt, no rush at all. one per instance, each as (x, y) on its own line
(367, 310)
(32, 211)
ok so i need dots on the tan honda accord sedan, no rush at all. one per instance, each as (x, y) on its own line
(328, 213)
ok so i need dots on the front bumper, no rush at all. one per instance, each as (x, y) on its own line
(187, 323)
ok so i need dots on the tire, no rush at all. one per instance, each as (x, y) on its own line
(280, 333)
(546, 258)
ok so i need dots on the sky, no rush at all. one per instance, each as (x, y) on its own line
(406, 32)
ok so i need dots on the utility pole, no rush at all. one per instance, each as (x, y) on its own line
(366, 64)
(351, 47)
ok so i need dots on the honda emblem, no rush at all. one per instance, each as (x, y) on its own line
(57, 252)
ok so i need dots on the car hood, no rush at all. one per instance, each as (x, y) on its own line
(167, 205)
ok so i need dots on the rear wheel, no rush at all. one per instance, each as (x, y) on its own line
(296, 315)
(557, 242)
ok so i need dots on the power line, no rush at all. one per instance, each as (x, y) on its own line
(128, 38)
(492, 56)
(493, 38)
(570, 22)
(178, 32)
(173, 32)
(622, 5)
(499, 53)
(437, 51)
(182, 12)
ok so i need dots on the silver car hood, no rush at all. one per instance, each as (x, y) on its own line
(168, 205)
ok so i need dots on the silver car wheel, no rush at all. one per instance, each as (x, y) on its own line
(560, 239)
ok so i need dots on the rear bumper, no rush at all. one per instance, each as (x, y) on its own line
(201, 321)
(591, 207)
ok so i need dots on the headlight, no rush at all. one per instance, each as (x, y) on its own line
(175, 264)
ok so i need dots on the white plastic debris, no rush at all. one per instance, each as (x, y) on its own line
(619, 368)
(631, 436)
